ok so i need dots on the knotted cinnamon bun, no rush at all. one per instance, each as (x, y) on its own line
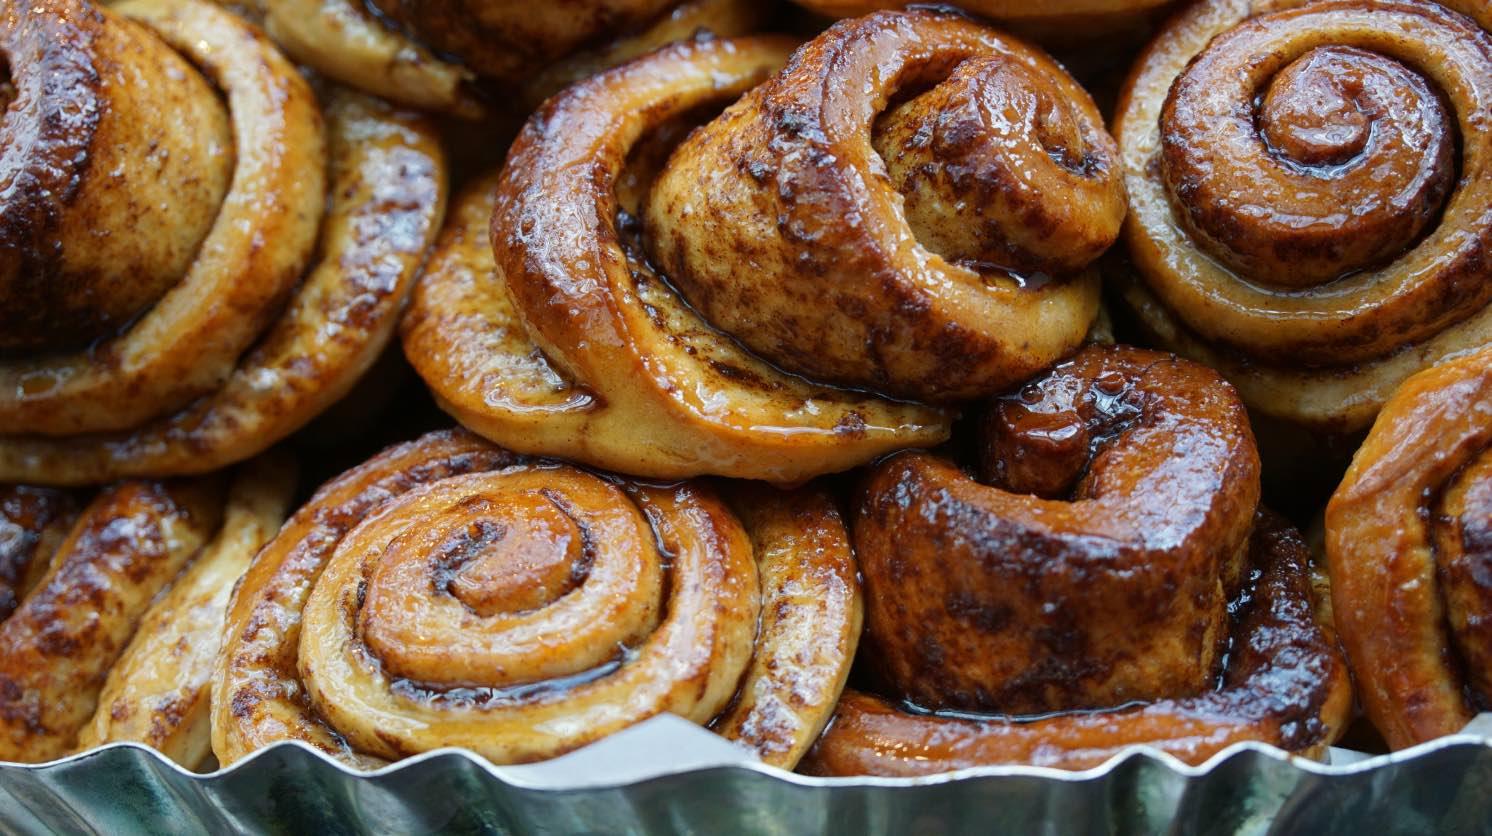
(449, 592)
(1407, 537)
(158, 314)
(1311, 204)
(429, 54)
(1107, 582)
(739, 305)
(78, 585)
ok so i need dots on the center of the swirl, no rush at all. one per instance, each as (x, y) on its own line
(1042, 439)
(519, 556)
(999, 168)
(1339, 161)
(1311, 112)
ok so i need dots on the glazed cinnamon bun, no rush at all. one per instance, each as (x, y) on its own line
(157, 693)
(165, 307)
(762, 300)
(80, 591)
(448, 592)
(1309, 196)
(1107, 581)
(430, 55)
(1406, 542)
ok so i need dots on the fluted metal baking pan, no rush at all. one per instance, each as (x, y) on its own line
(667, 776)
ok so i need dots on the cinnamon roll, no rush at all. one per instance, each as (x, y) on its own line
(449, 592)
(159, 316)
(1108, 581)
(157, 693)
(1310, 199)
(1406, 542)
(750, 302)
(85, 614)
(431, 54)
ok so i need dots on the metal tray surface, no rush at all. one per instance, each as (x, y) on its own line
(705, 785)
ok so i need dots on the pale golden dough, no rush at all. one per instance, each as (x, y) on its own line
(343, 40)
(392, 59)
(541, 573)
(772, 296)
(558, 341)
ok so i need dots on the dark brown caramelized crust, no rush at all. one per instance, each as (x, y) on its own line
(1108, 583)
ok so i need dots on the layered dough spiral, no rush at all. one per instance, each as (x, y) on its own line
(92, 648)
(1109, 581)
(449, 592)
(177, 230)
(737, 304)
(1407, 542)
(1311, 204)
(432, 55)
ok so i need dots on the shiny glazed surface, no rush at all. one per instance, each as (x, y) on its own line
(157, 693)
(1109, 583)
(108, 129)
(344, 40)
(917, 271)
(451, 593)
(1311, 203)
(1286, 684)
(98, 416)
(1406, 541)
(56, 648)
(260, 240)
(548, 331)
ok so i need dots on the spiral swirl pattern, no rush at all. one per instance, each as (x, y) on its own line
(1406, 541)
(955, 276)
(449, 592)
(1109, 584)
(246, 345)
(551, 334)
(1310, 196)
(790, 227)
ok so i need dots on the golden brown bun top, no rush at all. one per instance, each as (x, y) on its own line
(114, 155)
